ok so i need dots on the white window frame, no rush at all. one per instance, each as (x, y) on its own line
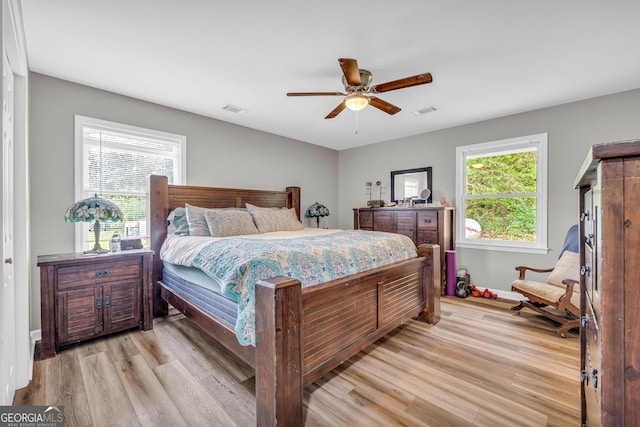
(82, 228)
(505, 146)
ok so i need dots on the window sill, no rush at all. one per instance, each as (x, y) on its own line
(502, 246)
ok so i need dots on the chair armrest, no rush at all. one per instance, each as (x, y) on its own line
(565, 300)
(569, 283)
(522, 269)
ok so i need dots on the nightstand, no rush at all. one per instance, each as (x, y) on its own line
(84, 297)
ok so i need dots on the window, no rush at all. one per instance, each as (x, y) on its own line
(115, 161)
(501, 194)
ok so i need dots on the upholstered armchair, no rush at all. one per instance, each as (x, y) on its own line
(558, 297)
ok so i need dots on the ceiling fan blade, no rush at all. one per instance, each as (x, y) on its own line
(336, 110)
(316, 94)
(420, 79)
(383, 105)
(351, 71)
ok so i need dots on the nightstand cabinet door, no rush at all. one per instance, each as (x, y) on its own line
(78, 314)
(121, 306)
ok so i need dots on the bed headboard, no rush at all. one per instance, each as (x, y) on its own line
(164, 198)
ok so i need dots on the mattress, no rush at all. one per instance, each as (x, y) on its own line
(199, 289)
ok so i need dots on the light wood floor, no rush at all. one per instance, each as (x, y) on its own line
(481, 365)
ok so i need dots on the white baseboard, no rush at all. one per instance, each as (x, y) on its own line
(508, 295)
(35, 336)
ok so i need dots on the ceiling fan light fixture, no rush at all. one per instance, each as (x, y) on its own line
(356, 102)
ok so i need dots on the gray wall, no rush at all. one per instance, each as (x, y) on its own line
(226, 155)
(218, 154)
(572, 129)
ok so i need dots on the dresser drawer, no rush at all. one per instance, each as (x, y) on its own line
(100, 272)
(428, 220)
(426, 236)
(365, 219)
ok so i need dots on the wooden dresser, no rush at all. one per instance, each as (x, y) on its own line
(434, 225)
(609, 183)
(84, 297)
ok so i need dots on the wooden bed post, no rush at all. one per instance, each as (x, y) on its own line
(432, 282)
(279, 352)
(159, 200)
(294, 199)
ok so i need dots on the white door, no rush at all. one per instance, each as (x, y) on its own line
(7, 292)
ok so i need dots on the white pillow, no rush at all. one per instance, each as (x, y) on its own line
(225, 222)
(197, 224)
(268, 219)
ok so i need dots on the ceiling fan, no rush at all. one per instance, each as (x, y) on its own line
(359, 91)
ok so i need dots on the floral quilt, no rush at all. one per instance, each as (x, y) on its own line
(237, 263)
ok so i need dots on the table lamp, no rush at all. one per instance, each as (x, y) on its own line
(94, 209)
(317, 211)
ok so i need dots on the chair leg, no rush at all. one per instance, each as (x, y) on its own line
(518, 307)
(567, 326)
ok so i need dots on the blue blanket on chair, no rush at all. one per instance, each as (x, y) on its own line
(571, 241)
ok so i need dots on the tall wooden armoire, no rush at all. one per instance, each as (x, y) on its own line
(609, 183)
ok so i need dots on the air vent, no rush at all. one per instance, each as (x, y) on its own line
(424, 111)
(233, 109)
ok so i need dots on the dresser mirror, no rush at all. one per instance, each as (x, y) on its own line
(412, 183)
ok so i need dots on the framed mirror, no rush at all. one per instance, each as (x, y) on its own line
(414, 183)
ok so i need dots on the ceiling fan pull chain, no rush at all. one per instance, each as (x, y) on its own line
(356, 125)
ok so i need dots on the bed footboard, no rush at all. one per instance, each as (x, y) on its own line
(304, 333)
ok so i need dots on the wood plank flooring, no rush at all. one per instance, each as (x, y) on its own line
(480, 366)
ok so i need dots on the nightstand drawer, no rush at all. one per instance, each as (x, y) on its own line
(97, 273)
(428, 220)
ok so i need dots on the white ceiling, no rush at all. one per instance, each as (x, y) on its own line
(488, 58)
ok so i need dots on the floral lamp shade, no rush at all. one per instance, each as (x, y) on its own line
(317, 210)
(94, 209)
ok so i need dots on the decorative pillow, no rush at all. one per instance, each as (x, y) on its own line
(567, 267)
(269, 219)
(195, 218)
(178, 222)
(229, 222)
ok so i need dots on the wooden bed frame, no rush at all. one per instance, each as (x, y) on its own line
(301, 333)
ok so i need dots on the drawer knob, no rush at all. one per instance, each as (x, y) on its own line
(427, 220)
(102, 273)
(427, 240)
(8, 261)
